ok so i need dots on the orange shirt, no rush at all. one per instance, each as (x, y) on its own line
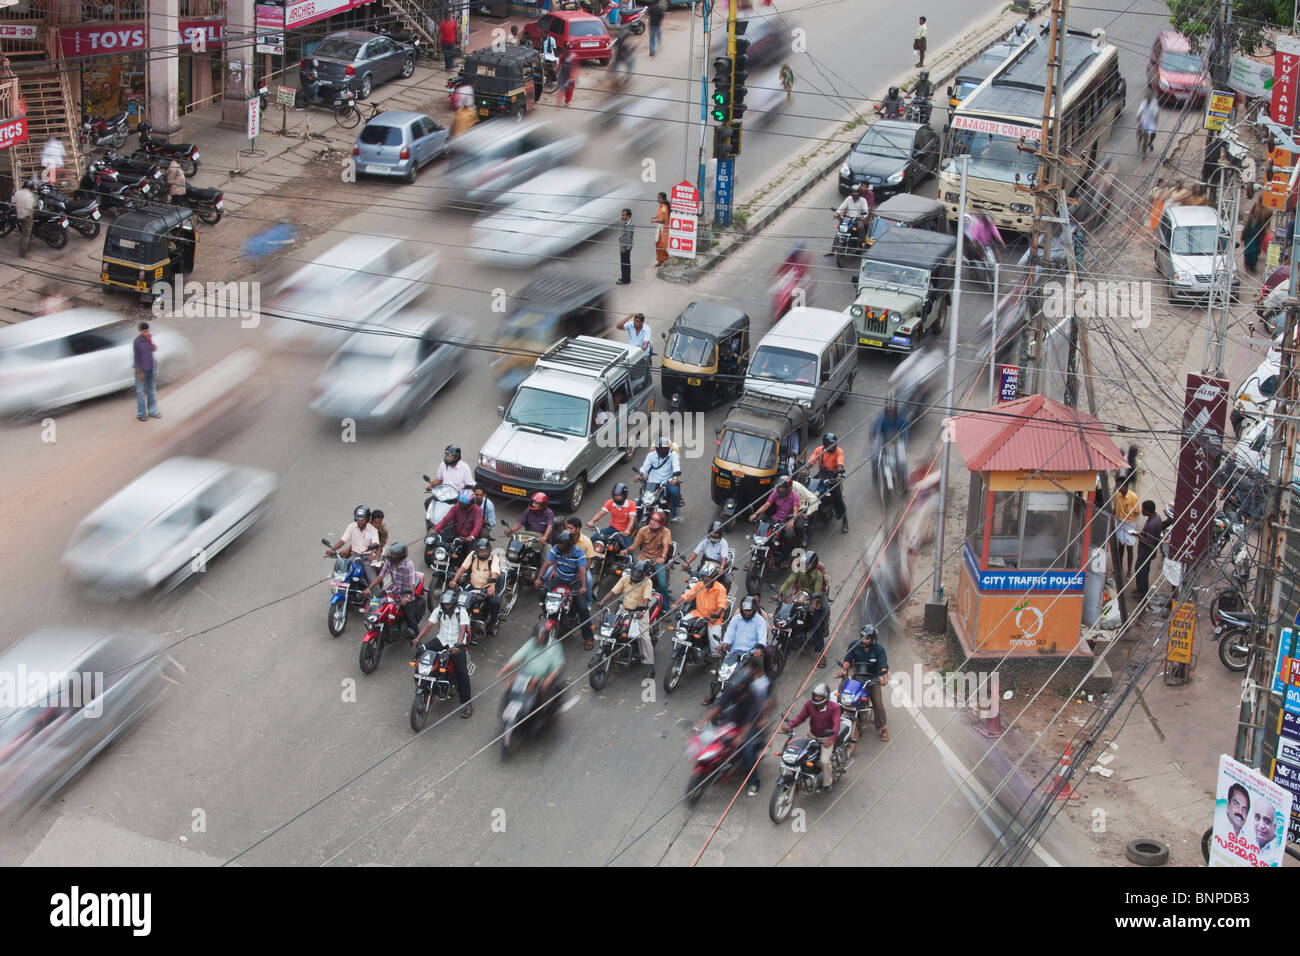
(710, 602)
(829, 461)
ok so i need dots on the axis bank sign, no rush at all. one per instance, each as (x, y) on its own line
(103, 40)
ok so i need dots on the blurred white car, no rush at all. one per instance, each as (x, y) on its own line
(490, 158)
(56, 360)
(642, 120)
(549, 215)
(164, 526)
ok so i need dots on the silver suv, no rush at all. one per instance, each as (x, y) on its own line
(567, 423)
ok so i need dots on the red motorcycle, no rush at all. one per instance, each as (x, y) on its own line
(794, 280)
(715, 749)
(385, 624)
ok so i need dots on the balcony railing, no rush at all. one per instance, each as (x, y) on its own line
(114, 11)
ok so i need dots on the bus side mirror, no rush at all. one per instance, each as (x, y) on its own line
(950, 92)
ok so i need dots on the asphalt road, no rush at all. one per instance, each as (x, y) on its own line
(293, 756)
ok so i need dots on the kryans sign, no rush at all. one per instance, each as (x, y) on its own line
(98, 41)
(1285, 60)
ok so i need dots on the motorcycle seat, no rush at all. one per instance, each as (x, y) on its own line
(202, 194)
(116, 119)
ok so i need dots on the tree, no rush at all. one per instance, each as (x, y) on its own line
(1252, 21)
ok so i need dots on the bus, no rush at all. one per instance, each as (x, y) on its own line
(1000, 125)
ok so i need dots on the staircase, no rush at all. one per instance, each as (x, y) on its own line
(411, 14)
(49, 113)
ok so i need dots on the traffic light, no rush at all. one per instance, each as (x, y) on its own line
(739, 72)
(722, 142)
(721, 89)
(735, 138)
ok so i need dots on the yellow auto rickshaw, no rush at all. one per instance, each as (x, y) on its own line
(705, 355)
(148, 244)
(762, 437)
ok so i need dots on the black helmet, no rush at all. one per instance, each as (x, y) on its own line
(785, 481)
(482, 544)
(750, 604)
(829, 441)
(893, 92)
(810, 560)
(397, 551)
(620, 490)
(820, 695)
(447, 599)
(564, 541)
(451, 454)
(715, 530)
(925, 75)
(361, 513)
(639, 571)
(868, 632)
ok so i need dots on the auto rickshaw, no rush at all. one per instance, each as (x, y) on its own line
(555, 305)
(148, 244)
(762, 438)
(706, 355)
(506, 82)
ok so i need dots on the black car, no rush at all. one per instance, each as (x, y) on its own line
(358, 61)
(893, 156)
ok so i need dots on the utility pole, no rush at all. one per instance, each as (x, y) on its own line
(1228, 208)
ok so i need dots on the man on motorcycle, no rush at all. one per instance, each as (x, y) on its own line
(889, 425)
(828, 460)
(453, 633)
(710, 599)
(484, 572)
(823, 716)
(892, 106)
(785, 504)
(452, 471)
(566, 564)
(537, 519)
(746, 634)
(855, 206)
(713, 548)
(663, 467)
(360, 537)
(636, 589)
(622, 516)
(806, 575)
(399, 565)
(574, 524)
(464, 520)
(653, 543)
(486, 506)
(542, 658)
(864, 660)
(923, 88)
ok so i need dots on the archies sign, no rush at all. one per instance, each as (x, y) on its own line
(102, 40)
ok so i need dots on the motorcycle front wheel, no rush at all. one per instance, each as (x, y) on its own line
(55, 238)
(509, 740)
(782, 801)
(840, 257)
(370, 651)
(754, 578)
(776, 660)
(674, 675)
(695, 788)
(337, 619)
(88, 228)
(420, 711)
(598, 676)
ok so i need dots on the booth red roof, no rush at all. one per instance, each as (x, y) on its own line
(1034, 432)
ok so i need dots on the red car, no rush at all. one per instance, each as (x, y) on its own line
(573, 30)
(1174, 71)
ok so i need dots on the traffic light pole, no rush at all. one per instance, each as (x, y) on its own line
(704, 95)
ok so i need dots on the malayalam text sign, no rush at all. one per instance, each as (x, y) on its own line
(1182, 632)
(1204, 412)
(1218, 110)
(1250, 76)
(1251, 817)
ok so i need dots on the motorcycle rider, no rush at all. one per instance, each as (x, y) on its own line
(574, 524)
(622, 517)
(484, 569)
(452, 471)
(866, 658)
(538, 518)
(399, 565)
(453, 632)
(566, 564)
(743, 704)
(746, 634)
(653, 543)
(486, 506)
(892, 106)
(806, 575)
(713, 547)
(823, 716)
(663, 467)
(359, 537)
(541, 657)
(785, 504)
(922, 92)
(855, 206)
(464, 520)
(710, 599)
(636, 589)
(889, 425)
(828, 459)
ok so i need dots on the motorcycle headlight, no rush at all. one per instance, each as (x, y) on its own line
(425, 667)
(845, 171)
(430, 540)
(552, 604)
(606, 630)
(440, 554)
(553, 474)
(725, 671)
(895, 179)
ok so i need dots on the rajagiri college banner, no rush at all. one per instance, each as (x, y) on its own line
(103, 40)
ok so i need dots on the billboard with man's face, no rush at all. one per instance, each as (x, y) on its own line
(1251, 814)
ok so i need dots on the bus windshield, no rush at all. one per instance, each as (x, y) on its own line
(994, 157)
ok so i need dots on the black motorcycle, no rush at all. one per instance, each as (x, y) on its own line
(653, 497)
(102, 183)
(790, 623)
(98, 132)
(801, 770)
(135, 170)
(614, 643)
(850, 232)
(341, 102)
(208, 204)
(525, 710)
(690, 647)
(448, 553)
(824, 487)
(187, 154)
(473, 601)
(82, 211)
(765, 556)
(50, 227)
(918, 109)
(435, 679)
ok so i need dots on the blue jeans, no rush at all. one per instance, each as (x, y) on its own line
(608, 532)
(674, 499)
(661, 582)
(145, 385)
(656, 38)
(752, 752)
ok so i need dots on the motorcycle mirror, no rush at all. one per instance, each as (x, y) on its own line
(501, 411)
(325, 541)
(426, 478)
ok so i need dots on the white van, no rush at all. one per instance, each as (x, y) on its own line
(810, 356)
(1185, 250)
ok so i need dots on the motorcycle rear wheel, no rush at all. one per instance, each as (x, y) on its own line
(209, 214)
(1234, 654)
(420, 711)
(598, 676)
(55, 238)
(673, 677)
(370, 653)
(337, 619)
(189, 167)
(782, 802)
(89, 229)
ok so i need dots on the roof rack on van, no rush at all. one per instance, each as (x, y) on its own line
(764, 404)
(585, 354)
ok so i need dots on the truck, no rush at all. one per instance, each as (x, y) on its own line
(904, 289)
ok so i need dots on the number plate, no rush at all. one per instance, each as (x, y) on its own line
(482, 111)
(95, 215)
(692, 381)
(371, 168)
(591, 43)
(722, 482)
(876, 342)
(512, 490)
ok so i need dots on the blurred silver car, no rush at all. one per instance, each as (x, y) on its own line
(55, 360)
(164, 526)
(388, 376)
(65, 695)
(549, 215)
(490, 158)
(398, 143)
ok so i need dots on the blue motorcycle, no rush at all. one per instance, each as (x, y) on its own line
(346, 584)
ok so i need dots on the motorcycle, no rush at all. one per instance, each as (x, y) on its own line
(918, 109)
(50, 227)
(849, 234)
(792, 616)
(558, 611)
(448, 555)
(614, 643)
(436, 506)
(523, 561)
(524, 711)
(891, 471)
(794, 279)
(98, 132)
(715, 752)
(133, 171)
(208, 204)
(610, 558)
(823, 487)
(980, 262)
(653, 497)
(82, 211)
(102, 183)
(187, 154)
(346, 585)
(632, 19)
(473, 601)
(690, 647)
(854, 699)
(385, 624)
(765, 556)
(435, 677)
(893, 111)
(341, 102)
(801, 770)
(727, 671)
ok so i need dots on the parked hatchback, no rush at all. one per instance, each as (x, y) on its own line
(1174, 71)
(359, 61)
(398, 143)
(491, 158)
(1189, 241)
(573, 30)
(893, 156)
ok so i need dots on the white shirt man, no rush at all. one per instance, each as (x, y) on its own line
(854, 205)
(458, 475)
(357, 541)
(449, 626)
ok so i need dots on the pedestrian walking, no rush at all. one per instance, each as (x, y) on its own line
(1148, 123)
(25, 210)
(787, 83)
(568, 78)
(661, 237)
(655, 14)
(1125, 506)
(52, 159)
(145, 367)
(447, 36)
(1253, 235)
(175, 183)
(625, 248)
(918, 42)
(1148, 541)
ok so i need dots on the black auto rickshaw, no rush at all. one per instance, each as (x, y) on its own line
(908, 210)
(555, 305)
(762, 437)
(506, 81)
(147, 244)
(705, 357)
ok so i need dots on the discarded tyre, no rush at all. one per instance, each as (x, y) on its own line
(1146, 852)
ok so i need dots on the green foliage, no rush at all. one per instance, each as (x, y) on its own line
(1250, 18)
